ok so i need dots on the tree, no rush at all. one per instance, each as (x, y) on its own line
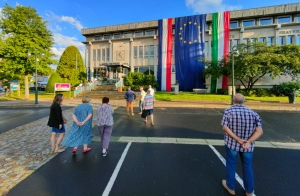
(24, 31)
(256, 60)
(54, 78)
(69, 68)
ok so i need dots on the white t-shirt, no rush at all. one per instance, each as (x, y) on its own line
(143, 94)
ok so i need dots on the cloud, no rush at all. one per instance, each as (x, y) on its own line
(207, 6)
(57, 27)
(71, 20)
(61, 42)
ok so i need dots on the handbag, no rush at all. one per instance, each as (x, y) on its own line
(144, 114)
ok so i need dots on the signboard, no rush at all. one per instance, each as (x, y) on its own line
(62, 87)
(14, 84)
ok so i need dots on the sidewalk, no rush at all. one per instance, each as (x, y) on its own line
(255, 105)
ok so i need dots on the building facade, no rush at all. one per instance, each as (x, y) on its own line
(134, 46)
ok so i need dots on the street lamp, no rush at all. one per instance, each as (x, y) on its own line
(234, 52)
(36, 77)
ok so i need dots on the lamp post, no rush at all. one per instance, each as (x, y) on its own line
(36, 76)
(234, 52)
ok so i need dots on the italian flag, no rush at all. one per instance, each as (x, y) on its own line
(220, 44)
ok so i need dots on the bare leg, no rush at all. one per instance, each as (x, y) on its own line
(85, 146)
(131, 108)
(127, 108)
(59, 139)
(52, 140)
(151, 117)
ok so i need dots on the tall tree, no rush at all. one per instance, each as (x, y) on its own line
(256, 60)
(23, 31)
(71, 67)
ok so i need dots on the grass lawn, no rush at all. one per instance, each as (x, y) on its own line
(182, 96)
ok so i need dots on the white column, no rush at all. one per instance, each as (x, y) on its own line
(110, 51)
(131, 55)
(155, 61)
(91, 61)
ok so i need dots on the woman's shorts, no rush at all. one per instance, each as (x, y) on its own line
(150, 111)
(56, 130)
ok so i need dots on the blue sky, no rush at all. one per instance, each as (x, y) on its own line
(66, 17)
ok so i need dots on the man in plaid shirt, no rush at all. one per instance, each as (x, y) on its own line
(242, 127)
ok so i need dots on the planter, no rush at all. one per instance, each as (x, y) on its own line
(292, 98)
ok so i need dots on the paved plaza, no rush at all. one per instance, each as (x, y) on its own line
(181, 155)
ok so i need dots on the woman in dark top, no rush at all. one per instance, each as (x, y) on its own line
(56, 121)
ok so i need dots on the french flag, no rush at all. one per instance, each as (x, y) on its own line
(164, 54)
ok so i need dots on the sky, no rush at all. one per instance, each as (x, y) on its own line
(66, 18)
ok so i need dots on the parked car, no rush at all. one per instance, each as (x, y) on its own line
(1, 89)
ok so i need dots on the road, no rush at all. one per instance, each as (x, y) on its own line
(169, 169)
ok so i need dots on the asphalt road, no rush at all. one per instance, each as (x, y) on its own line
(158, 169)
(13, 117)
(278, 126)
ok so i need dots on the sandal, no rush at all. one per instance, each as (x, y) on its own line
(74, 150)
(87, 150)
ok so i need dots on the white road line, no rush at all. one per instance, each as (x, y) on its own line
(237, 177)
(116, 171)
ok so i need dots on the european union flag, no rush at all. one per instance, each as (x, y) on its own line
(189, 51)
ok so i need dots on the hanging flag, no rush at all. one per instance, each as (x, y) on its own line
(164, 54)
(189, 49)
(220, 44)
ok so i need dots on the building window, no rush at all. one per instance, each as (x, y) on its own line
(151, 51)
(173, 31)
(298, 18)
(117, 35)
(280, 41)
(270, 41)
(146, 51)
(233, 42)
(284, 19)
(94, 54)
(298, 40)
(248, 23)
(127, 35)
(262, 39)
(141, 52)
(289, 39)
(265, 21)
(150, 32)
(103, 54)
(135, 52)
(234, 24)
(173, 68)
(107, 55)
(138, 33)
(147, 70)
(106, 37)
(206, 49)
(98, 54)
(173, 49)
(97, 37)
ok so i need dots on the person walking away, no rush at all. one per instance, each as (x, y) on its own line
(242, 127)
(142, 96)
(56, 121)
(151, 90)
(130, 97)
(148, 106)
(105, 123)
(80, 133)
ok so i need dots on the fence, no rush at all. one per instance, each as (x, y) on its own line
(84, 87)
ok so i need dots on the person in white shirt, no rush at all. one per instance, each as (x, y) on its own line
(143, 93)
(151, 90)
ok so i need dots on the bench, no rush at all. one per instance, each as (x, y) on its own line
(200, 90)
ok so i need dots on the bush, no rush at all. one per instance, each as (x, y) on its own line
(222, 91)
(256, 92)
(286, 88)
(55, 78)
(137, 79)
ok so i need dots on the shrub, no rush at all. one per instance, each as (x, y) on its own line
(55, 78)
(286, 88)
(137, 79)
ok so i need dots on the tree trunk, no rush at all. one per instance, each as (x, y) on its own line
(26, 86)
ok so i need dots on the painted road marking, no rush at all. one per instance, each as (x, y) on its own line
(116, 171)
(237, 177)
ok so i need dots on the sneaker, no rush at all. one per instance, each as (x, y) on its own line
(104, 154)
(251, 194)
(226, 187)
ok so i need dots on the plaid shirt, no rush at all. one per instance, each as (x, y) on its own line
(242, 122)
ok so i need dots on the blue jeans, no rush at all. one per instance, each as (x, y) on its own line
(246, 159)
(141, 106)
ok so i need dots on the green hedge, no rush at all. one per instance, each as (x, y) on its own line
(137, 79)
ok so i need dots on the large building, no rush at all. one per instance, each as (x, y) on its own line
(159, 47)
